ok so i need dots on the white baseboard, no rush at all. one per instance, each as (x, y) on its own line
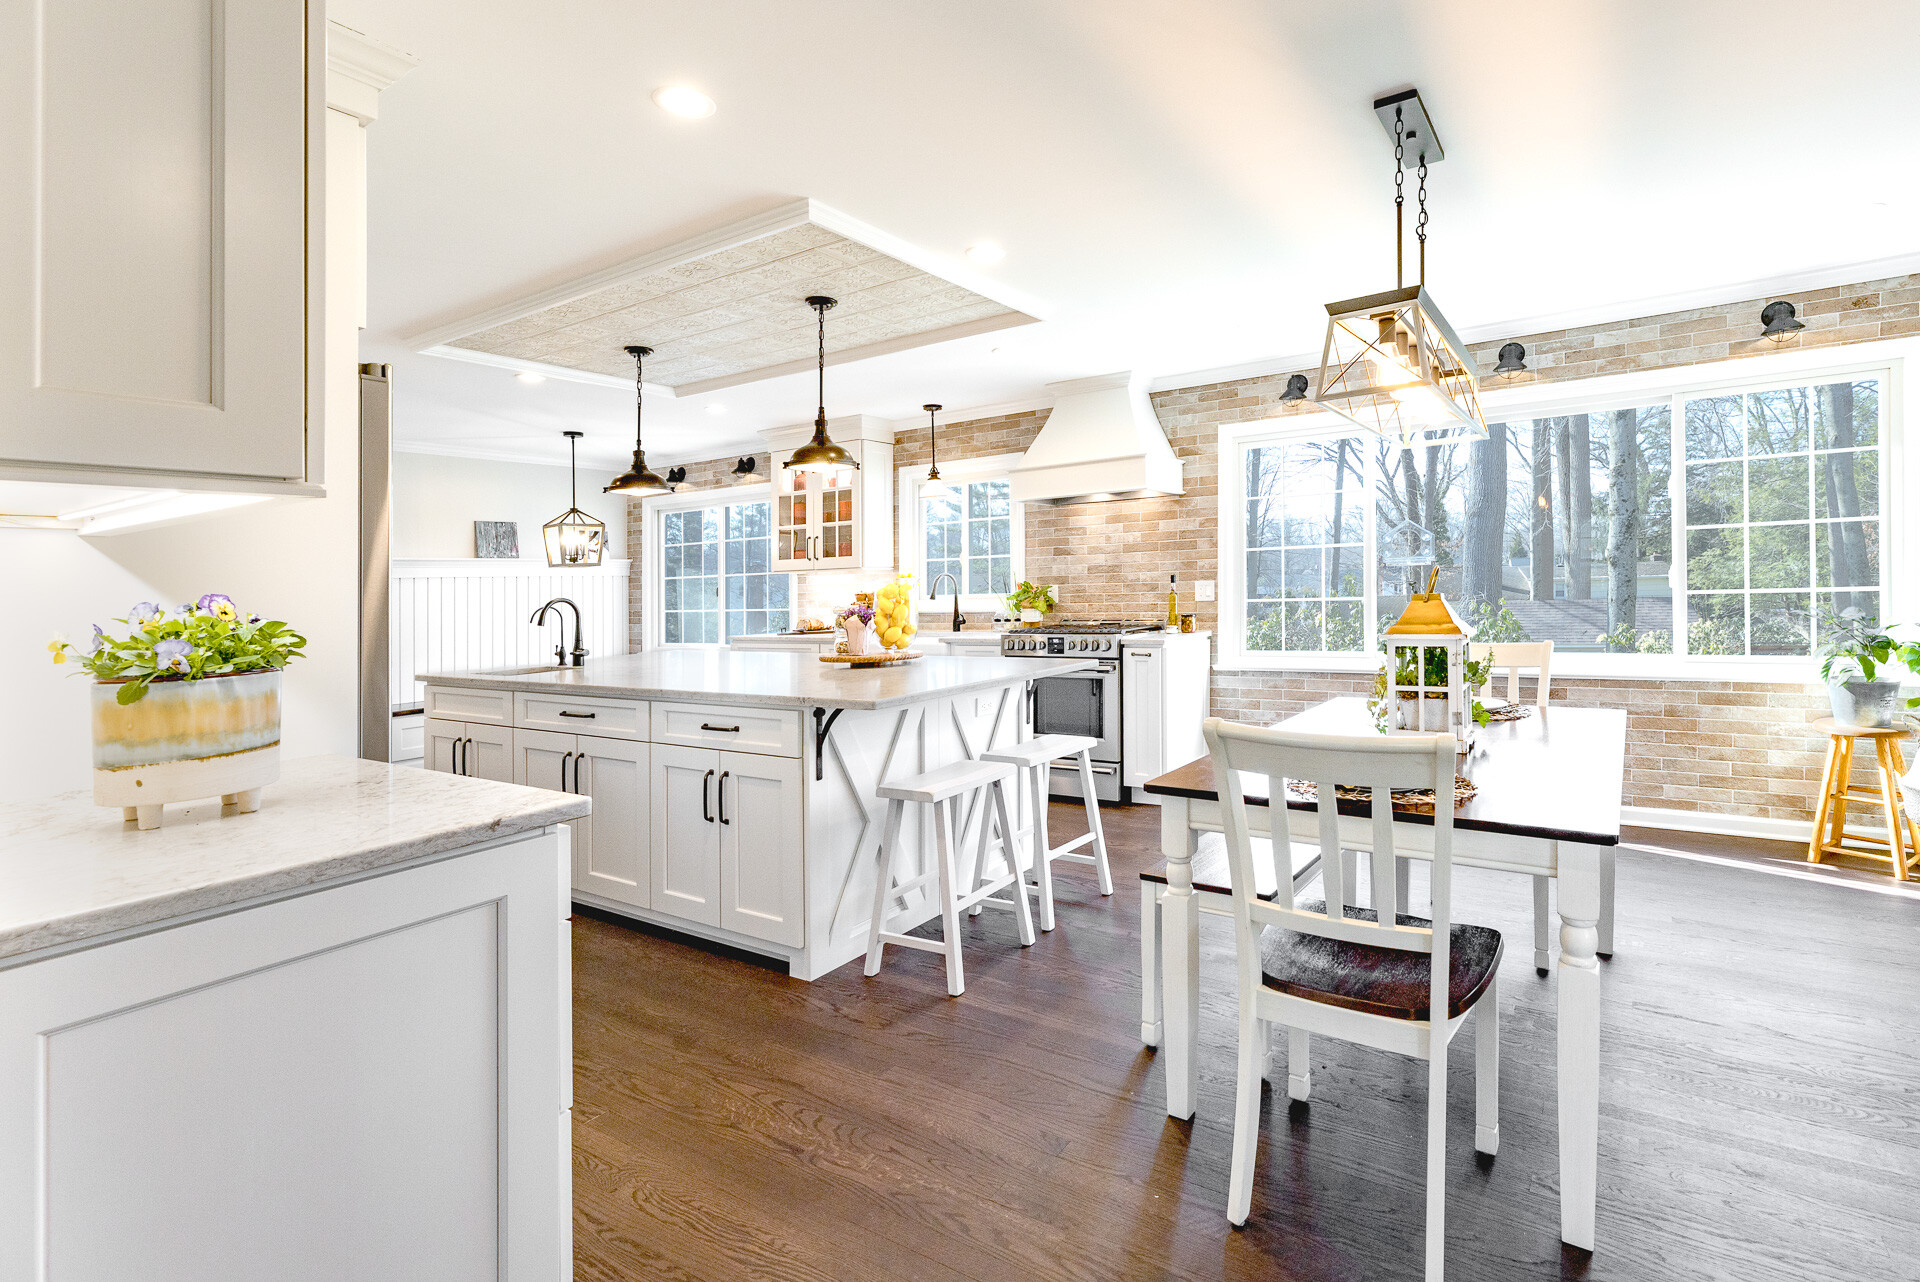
(1797, 831)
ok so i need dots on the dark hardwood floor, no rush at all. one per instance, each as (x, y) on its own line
(1760, 1104)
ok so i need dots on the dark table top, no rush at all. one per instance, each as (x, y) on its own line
(1554, 775)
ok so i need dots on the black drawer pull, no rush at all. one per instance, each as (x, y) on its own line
(721, 729)
(585, 715)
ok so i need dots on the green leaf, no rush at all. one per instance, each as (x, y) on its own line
(132, 692)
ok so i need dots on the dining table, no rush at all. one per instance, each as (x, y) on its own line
(1545, 802)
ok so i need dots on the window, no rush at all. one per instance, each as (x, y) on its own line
(973, 534)
(715, 583)
(1563, 526)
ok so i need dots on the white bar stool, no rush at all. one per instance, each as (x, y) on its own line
(941, 788)
(1036, 756)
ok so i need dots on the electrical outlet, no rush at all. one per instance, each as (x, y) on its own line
(1203, 589)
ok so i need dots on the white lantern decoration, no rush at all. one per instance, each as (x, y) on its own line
(1415, 705)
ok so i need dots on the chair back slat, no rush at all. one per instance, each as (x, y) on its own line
(1516, 657)
(1380, 763)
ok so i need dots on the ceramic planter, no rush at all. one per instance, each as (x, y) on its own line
(218, 736)
(1866, 703)
(860, 638)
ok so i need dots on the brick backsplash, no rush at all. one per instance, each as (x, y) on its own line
(1740, 750)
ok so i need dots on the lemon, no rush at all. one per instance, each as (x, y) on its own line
(890, 638)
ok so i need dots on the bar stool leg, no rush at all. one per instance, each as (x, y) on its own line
(889, 838)
(949, 897)
(1900, 770)
(1890, 802)
(1842, 783)
(981, 808)
(1093, 825)
(1825, 811)
(1041, 781)
(1022, 915)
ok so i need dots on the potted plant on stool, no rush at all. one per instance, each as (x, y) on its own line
(185, 706)
(1862, 667)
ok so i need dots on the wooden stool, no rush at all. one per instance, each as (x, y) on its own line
(942, 788)
(1902, 849)
(1036, 757)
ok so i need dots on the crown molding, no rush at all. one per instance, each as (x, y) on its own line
(1612, 313)
(358, 68)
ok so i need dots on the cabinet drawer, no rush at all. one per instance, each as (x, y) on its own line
(409, 740)
(774, 732)
(574, 714)
(458, 703)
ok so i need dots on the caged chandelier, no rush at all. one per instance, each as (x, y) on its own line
(1391, 364)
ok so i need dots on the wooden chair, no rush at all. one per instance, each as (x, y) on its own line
(1517, 657)
(1830, 836)
(1402, 984)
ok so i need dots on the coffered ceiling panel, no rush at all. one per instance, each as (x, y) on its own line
(730, 307)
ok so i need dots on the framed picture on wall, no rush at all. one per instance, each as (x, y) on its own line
(496, 540)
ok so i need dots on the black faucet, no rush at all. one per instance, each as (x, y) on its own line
(560, 651)
(933, 590)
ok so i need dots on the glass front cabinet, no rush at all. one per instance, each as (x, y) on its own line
(838, 520)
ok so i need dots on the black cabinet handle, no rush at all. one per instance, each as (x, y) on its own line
(579, 759)
(585, 716)
(706, 804)
(723, 797)
(720, 729)
(563, 771)
(466, 756)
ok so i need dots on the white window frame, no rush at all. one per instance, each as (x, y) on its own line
(652, 560)
(913, 541)
(1899, 474)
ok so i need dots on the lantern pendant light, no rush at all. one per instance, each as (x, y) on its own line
(934, 487)
(573, 538)
(639, 479)
(1391, 363)
(820, 454)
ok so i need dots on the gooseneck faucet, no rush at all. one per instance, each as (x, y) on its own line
(933, 590)
(560, 651)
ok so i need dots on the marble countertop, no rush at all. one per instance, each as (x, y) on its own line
(778, 678)
(72, 871)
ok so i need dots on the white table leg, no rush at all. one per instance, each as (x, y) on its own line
(1151, 1030)
(1579, 1023)
(1605, 945)
(1180, 960)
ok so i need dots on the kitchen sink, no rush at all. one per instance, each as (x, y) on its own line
(524, 672)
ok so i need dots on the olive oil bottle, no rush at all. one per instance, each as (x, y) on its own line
(1173, 601)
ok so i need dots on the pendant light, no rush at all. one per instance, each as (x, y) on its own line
(638, 479)
(933, 487)
(820, 454)
(1392, 364)
(573, 538)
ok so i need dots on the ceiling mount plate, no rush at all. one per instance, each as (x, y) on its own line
(1421, 139)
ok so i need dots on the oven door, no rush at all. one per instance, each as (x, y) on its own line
(1083, 703)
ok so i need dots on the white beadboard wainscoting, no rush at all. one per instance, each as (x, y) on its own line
(454, 614)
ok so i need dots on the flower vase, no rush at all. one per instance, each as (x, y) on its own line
(218, 736)
(859, 637)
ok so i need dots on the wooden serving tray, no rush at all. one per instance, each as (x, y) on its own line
(871, 660)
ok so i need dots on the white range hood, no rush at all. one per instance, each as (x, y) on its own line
(1101, 442)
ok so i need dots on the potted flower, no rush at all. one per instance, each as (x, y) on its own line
(856, 621)
(186, 705)
(1031, 601)
(1862, 667)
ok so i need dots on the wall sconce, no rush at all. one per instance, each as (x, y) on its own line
(1296, 389)
(1780, 322)
(1513, 361)
(746, 471)
(675, 475)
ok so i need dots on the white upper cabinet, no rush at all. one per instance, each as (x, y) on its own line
(160, 235)
(840, 520)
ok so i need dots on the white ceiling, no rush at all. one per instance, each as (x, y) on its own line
(1184, 185)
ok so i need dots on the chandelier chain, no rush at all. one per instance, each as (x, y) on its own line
(639, 401)
(1399, 198)
(1420, 224)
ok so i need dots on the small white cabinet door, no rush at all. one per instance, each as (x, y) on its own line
(686, 833)
(1142, 715)
(489, 753)
(543, 759)
(762, 893)
(159, 188)
(444, 741)
(610, 849)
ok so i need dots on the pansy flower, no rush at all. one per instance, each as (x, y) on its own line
(171, 654)
(58, 647)
(219, 605)
(143, 613)
(99, 640)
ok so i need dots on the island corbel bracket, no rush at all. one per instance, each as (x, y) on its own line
(823, 720)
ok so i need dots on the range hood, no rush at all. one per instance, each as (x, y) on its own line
(1100, 443)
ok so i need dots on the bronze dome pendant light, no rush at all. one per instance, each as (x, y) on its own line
(639, 479)
(573, 538)
(820, 454)
(935, 487)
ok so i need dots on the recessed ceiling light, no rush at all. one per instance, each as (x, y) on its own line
(684, 101)
(528, 376)
(716, 409)
(987, 251)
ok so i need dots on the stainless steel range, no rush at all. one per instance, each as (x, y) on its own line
(1081, 703)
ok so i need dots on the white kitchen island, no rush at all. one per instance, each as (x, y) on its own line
(330, 1039)
(734, 791)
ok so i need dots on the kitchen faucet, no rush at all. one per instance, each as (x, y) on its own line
(560, 651)
(933, 590)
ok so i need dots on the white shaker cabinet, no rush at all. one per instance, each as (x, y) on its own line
(724, 838)
(611, 846)
(840, 520)
(159, 233)
(686, 833)
(474, 749)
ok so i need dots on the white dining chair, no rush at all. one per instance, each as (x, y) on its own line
(1518, 657)
(1405, 984)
